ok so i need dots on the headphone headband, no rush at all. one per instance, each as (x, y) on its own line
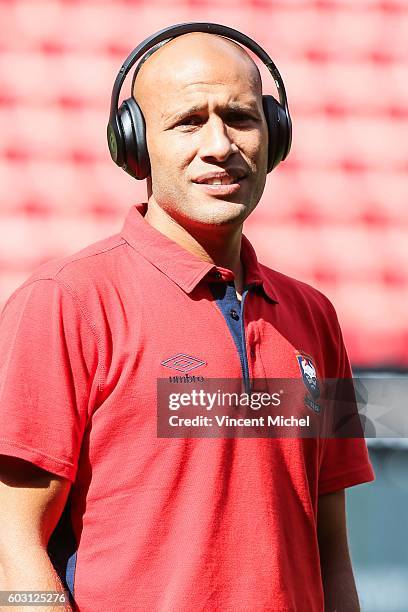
(185, 28)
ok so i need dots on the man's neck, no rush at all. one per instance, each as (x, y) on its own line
(217, 245)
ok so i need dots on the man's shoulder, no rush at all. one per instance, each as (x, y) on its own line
(81, 272)
(87, 260)
(91, 261)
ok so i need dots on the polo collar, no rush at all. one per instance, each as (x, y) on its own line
(254, 273)
(181, 266)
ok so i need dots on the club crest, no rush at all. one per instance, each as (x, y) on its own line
(309, 376)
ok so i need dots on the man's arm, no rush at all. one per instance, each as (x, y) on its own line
(31, 503)
(340, 594)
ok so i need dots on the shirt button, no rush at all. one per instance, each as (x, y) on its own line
(234, 314)
(217, 274)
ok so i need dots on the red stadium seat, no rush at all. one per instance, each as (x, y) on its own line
(334, 214)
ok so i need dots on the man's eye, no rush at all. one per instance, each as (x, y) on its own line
(190, 121)
(239, 117)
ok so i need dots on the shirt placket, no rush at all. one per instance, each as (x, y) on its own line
(233, 311)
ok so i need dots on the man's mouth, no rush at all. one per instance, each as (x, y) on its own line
(220, 183)
(225, 180)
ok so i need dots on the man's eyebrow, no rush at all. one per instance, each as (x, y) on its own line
(184, 113)
(231, 106)
(242, 107)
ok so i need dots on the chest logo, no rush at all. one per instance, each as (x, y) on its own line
(309, 376)
(183, 363)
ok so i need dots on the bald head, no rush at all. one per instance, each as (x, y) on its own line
(189, 53)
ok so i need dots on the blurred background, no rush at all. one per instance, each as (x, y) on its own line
(335, 214)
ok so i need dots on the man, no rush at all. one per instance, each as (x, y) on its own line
(173, 524)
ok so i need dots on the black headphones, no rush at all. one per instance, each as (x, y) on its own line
(127, 128)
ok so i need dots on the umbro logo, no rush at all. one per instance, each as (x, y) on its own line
(183, 363)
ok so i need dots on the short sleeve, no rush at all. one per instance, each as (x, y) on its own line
(345, 461)
(48, 367)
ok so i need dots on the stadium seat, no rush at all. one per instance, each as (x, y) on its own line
(334, 214)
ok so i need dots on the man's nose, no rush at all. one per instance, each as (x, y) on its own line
(216, 142)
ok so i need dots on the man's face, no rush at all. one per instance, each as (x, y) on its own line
(205, 125)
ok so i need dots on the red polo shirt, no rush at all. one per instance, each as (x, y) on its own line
(170, 524)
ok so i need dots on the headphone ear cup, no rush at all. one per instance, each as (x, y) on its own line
(279, 131)
(136, 157)
(115, 141)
